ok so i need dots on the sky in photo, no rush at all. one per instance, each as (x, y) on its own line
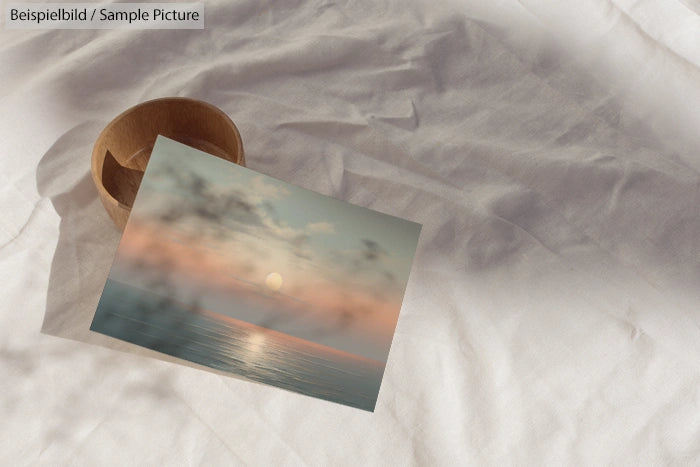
(244, 245)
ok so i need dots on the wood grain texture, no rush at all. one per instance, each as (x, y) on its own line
(122, 150)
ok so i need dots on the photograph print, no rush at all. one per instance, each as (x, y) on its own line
(225, 267)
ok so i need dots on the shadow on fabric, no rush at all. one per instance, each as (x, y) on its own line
(87, 238)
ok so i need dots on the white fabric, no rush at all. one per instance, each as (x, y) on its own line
(550, 149)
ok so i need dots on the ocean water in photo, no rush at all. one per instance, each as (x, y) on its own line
(183, 331)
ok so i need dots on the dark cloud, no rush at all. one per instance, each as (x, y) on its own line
(271, 211)
(369, 259)
(368, 262)
(199, 201)
(372, 250)
(303, 255)
(208, 210)
(299, 241)
(345, 318)
(389, 276)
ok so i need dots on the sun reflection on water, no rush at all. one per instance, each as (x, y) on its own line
(255, 344)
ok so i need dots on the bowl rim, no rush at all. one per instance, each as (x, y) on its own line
(97, 179)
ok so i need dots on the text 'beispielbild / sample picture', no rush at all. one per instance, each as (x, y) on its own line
(228, 268)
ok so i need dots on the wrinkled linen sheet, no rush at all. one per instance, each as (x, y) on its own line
(551, 151)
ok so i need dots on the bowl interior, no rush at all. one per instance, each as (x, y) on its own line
(122, 150)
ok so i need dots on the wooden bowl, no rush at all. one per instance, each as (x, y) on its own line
(122, 150)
